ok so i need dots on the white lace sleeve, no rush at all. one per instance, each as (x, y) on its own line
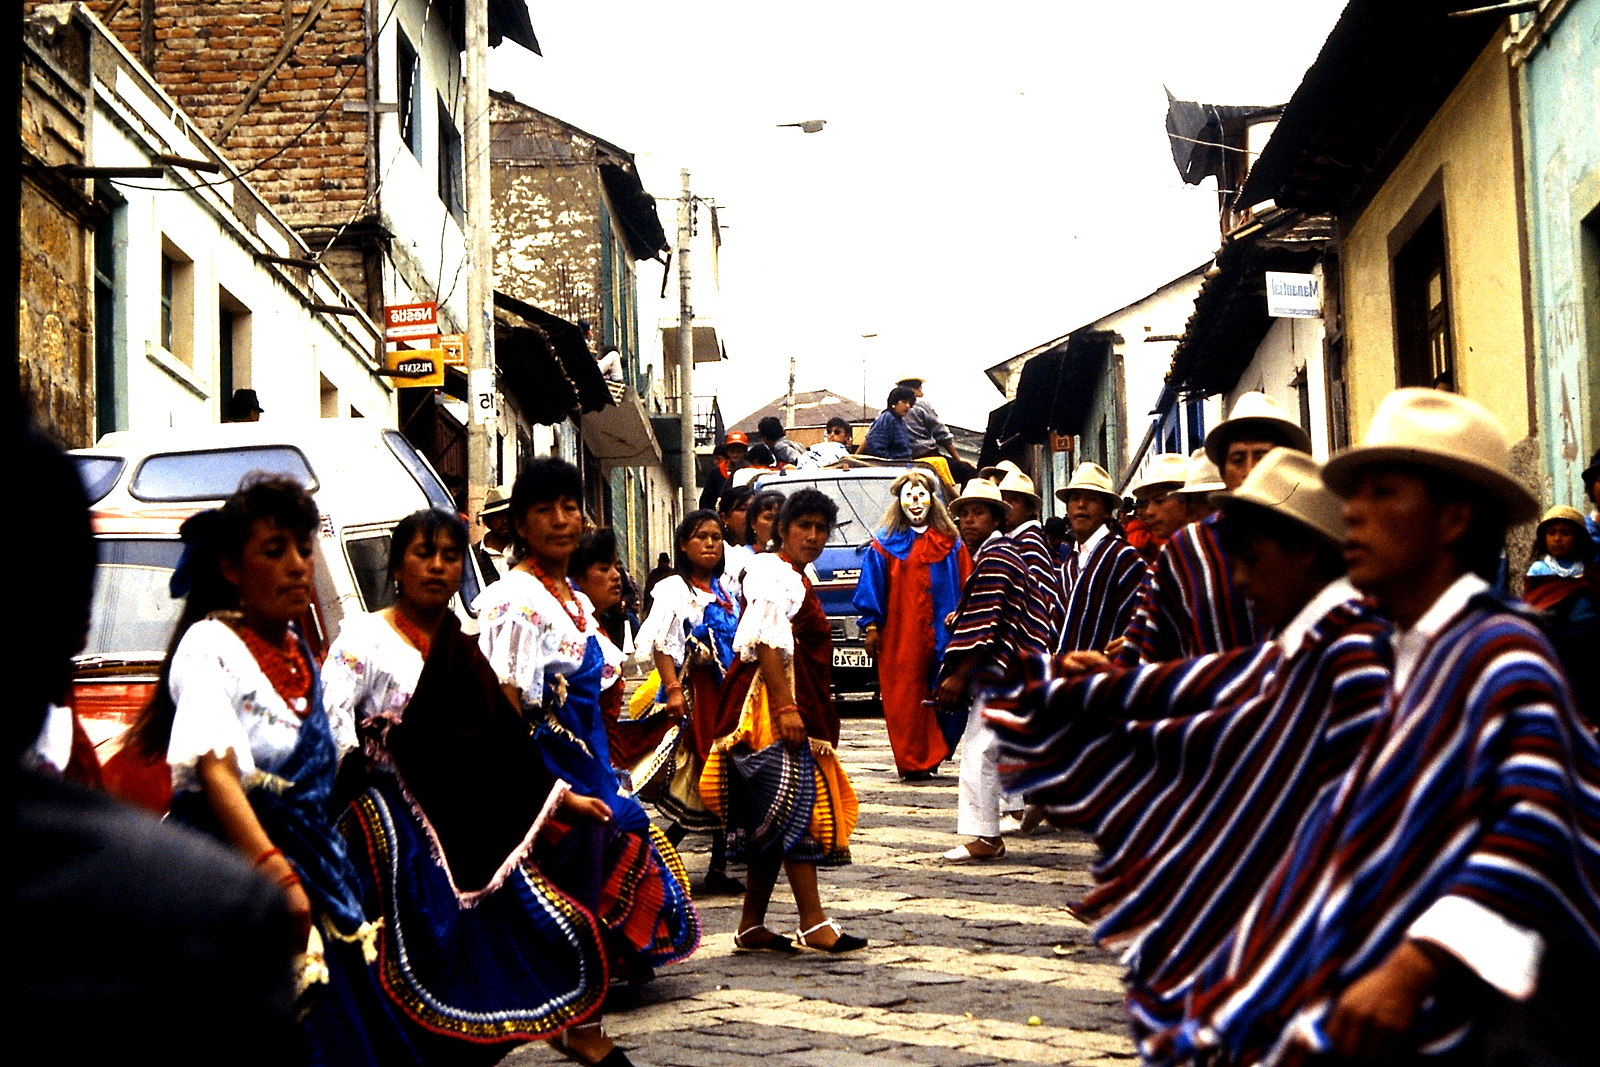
(773, 593)
(673, 607)
(206, 690)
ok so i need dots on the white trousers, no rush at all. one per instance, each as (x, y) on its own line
(981, 799)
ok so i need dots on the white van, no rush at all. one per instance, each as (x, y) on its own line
(141, 485)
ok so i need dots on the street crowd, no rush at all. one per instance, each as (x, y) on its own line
(1345, 789)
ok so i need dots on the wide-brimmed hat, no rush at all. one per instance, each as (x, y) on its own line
(1201, 475)
(914, 381)
(1289, 482)
(1017, 482)
(496, 500)
(1090, 478)
(1560, 513)
(1255, 415)
(998, 472)
(1441, 431)
(1167, 468)
(979, 491)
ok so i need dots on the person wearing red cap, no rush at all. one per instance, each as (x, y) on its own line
(730, 456)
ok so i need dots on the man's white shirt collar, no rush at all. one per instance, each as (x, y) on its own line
(1328, 597)
(1409, 644)
(1101, 532)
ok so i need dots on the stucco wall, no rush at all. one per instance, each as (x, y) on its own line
(1561, 103)
(1290, 346)
(1468, 148)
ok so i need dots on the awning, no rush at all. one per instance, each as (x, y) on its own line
(566, 341)
(1057, 387)
(704, 343)
(1383, 70)
(620, 435)
(530, 372)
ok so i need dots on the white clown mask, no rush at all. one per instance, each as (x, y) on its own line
(915, 500)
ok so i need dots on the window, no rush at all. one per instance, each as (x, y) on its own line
(408, 84)
(450, 191)
(233, 345)
(176, 476)
(177, 303)
(330, 397)
(1423, 348)
(110, 370)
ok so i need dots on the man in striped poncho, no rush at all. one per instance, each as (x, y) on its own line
(1103, 573)
(1013, 605)
(1192, 774)
(1456, 866)
(1188, 606)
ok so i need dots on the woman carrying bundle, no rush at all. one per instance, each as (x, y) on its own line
(239, 713)
(689, 636)
(776, 781)
(479, 949)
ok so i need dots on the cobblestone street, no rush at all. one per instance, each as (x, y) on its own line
(961, 956)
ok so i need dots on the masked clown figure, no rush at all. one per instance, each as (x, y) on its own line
(911, 579)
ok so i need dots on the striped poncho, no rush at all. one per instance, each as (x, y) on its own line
(1189, 605)
(1192, 776)
(1013, 603)
(1477, 788)
(1102, 592)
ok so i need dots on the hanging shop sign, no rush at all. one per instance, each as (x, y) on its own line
(407, 322)
(1293, 296)
(413, 368)
(455, 349)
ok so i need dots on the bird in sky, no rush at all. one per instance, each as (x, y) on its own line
(808, 126)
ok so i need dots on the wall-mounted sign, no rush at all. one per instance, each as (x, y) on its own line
(485, 404)
(455, 349)
(403, 322)
(1293, 296)
(413, 368)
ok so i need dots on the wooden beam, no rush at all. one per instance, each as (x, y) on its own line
(265, 76)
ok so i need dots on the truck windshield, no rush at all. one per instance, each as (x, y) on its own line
(133, 613)
(862, 502)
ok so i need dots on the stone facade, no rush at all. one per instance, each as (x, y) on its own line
(55, 297)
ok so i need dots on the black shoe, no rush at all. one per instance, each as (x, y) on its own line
(719, 884)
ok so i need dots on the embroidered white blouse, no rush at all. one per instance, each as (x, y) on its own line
(773, 594)
(678, 607)
(371, 672)
(525, 633)
(226, 702)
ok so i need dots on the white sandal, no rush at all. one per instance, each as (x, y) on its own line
(843, 942)
(779, 943)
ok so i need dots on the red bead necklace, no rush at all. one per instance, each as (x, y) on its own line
(573, 609)
(411, 632)
(715, 590)
(284, 665)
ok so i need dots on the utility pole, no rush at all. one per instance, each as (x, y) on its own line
(480, 267)
(788, 398)
(691, 494)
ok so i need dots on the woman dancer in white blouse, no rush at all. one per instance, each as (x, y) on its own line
(540, 636)
(239, 713)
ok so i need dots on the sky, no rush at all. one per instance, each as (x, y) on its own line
(990, 176)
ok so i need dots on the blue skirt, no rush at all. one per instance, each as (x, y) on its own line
(517, 962)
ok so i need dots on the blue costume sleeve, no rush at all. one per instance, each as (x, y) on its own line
(872, 588)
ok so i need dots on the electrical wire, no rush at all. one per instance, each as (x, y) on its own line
(293, 140)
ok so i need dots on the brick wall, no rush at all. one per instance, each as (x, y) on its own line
(310, 153)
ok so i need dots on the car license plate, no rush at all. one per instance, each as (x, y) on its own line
(851, 657)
